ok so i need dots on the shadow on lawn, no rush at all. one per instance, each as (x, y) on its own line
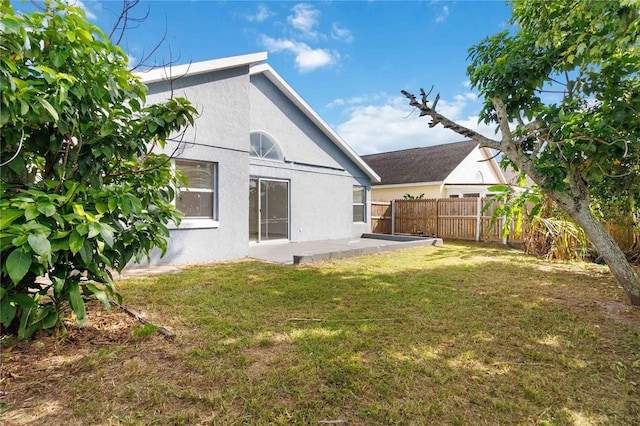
(534, 341)
(486, 337)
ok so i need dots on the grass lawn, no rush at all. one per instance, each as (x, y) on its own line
(464, 334)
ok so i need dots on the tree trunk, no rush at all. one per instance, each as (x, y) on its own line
(574, 201)
(580, 211)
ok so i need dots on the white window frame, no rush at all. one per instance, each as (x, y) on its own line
(275, 146)
(363, 204)
(194, 222)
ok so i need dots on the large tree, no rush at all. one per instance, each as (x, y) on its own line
(82, 191)
(564, 90)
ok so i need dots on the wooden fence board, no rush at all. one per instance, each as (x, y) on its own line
(457, 218)
(623, 235)
(380, 217)
(416, 217)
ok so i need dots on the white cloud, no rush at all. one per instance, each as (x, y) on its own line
(391, 125)
(442, 14)
(309, 59)
(82, 5)
(262, 14)
(133, 61)
(304, 19)
(301, 35)
(306, 58)
(338, 33)
(335, 103)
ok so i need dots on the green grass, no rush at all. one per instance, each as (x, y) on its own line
(464, 334)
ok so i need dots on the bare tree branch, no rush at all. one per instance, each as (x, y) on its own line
(513, 151)
(436, 118)
(124, 20)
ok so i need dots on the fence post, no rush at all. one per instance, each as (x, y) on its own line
(479, 220)
(504, 239)
(393, 217)
(438, 233)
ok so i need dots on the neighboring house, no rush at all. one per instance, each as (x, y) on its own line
(262, 165)
(452, 170)
(511, 176)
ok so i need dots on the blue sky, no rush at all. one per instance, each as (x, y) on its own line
(347, 59)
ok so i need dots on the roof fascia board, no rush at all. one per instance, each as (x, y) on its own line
(291, 94)
(470, 184)
(406, 185)
(195, 68)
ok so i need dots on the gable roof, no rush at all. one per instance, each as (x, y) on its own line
(300, 103)
(254, 61)
(414, 165)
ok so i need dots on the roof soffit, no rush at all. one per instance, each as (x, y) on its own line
(203, 67)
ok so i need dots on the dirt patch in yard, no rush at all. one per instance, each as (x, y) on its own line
(493, 338)
(622, 312)
(31, 369)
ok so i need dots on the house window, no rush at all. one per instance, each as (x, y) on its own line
(198, 198)
(454, 196)
(358, 204)
(471, 195)
(264, 146)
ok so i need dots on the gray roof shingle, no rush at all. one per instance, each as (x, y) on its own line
(425, 164)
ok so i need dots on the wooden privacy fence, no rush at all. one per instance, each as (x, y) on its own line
(455, 218)
(625, 236)
(381, 217)
(459, 219)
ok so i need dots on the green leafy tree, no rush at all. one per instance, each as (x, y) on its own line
(82, 192)
(585, 134)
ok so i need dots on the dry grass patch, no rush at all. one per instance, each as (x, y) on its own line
(462, 334)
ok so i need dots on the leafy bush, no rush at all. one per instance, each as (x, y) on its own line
(81, 190)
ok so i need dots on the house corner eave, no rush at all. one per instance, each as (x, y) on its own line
(203, 67)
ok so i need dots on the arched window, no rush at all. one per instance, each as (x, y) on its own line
(264, 146)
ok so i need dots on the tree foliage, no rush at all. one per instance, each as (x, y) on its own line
(408, 196)
(587, 53)
(82, 191)
(564, 90)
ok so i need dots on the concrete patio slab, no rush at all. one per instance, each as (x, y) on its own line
(316, 251)
(141, 271)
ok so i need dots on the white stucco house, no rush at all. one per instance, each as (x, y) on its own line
(262, 165)
(453, 170)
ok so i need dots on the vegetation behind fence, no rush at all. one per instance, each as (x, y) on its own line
(457, 218)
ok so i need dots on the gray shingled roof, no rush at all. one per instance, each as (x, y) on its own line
(426, 164)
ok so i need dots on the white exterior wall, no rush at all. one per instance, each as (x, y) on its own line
(467, 172)
(221, 135)
(398, 192)
(321, 177)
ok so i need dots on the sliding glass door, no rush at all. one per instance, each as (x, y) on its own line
(268, 209)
